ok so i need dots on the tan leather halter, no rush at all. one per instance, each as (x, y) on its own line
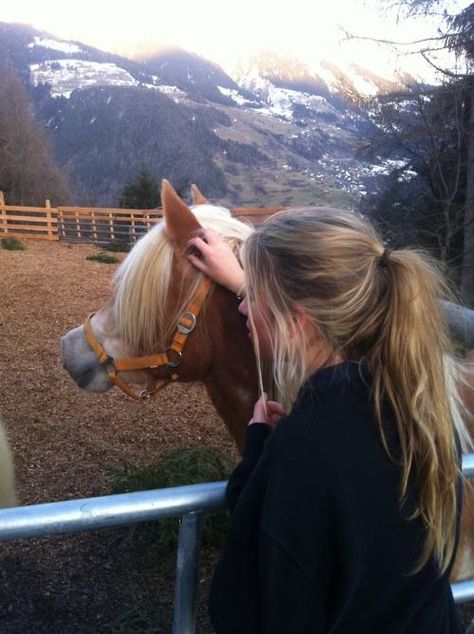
(185, 326)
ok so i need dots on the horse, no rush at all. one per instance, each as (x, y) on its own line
(160, 302)
(8, 495)
(153, 303)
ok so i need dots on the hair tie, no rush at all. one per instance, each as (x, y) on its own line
(384, 258)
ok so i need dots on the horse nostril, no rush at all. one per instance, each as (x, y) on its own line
(84, 379)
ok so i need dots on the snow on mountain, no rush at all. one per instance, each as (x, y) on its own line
(342, 76)
(266, 71)
(55, 45)
(235, 95)
(65, 75)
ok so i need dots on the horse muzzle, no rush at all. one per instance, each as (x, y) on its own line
(82, 364)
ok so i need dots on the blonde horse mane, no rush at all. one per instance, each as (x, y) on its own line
(143, 280)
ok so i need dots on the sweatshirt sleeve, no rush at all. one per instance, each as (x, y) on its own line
(261, 584)
(255, 438)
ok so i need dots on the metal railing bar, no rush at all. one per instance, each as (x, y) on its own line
(468, 465)
(463, 591)
(24, 522)
(187, 572)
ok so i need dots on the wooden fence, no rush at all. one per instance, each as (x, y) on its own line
(91, 224)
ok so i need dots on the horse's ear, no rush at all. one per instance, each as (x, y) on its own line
(181, 224)
(198, 197)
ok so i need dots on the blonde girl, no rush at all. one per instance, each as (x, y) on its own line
(345, 511)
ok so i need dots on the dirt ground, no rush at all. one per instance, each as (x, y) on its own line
(65, 442)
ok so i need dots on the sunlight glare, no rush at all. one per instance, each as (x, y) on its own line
(223, 32)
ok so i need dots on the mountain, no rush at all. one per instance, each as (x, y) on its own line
(199, 78)
(38, 56)
(270, 76)
(275, 133)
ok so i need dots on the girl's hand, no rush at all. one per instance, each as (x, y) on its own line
(212, 255)
(268, 412)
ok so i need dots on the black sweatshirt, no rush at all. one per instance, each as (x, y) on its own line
(317, 541)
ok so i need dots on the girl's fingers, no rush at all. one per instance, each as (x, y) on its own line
(211, 236)
(197, 262)
(199, 244)
(277, 407)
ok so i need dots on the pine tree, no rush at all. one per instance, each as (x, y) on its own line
(141, 193)
(28, 173)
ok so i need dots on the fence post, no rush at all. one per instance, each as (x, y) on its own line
(94, 228)
(78, 225)
(111, 227)
(3, 213)
(133, 229)
(47, 204)
(187, 569)
(60, 227)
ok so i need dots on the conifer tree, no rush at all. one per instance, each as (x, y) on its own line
(141, 193)
(28, 173)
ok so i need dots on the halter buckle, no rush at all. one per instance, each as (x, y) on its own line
(186, 330)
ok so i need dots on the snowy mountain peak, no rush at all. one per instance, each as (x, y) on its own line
(323, 78)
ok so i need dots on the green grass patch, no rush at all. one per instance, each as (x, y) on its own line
(103, 258)
(176, 467)
(120, 246)
(132, 622)
(12, 244)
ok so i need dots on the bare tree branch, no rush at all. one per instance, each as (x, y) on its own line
(444, 71)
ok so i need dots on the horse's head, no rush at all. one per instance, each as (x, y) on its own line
(164, 319)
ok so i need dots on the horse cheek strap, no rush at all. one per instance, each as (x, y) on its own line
(185, 327)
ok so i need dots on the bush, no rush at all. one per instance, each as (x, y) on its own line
(102, 257)
(176, 467)
(122, 246)
(12, 244)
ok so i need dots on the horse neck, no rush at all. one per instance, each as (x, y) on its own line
(232, 380)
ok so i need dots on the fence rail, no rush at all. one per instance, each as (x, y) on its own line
(101, 225)
(187, 502)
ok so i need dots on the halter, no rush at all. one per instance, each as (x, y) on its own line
(185, 326)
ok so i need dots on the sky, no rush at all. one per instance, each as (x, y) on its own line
(228, 32)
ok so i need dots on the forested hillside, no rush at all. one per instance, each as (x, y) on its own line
(28, 171)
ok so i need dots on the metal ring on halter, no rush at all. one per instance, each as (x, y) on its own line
(177, 363)
(185, 330)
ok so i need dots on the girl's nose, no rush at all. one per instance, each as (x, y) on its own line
(243, 308)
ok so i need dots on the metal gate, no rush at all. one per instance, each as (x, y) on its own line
(187, 502)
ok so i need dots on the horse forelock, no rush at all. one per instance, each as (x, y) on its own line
(144, 280)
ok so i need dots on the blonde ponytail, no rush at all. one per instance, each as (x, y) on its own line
(407, 361)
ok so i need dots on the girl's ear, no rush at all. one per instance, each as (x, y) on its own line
(300, 316)
(303, 322)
